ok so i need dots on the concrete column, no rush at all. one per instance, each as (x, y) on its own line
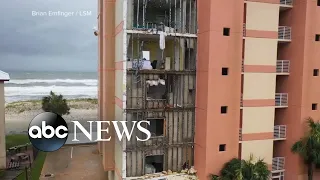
(2, 128)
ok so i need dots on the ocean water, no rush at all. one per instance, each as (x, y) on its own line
(35, 85)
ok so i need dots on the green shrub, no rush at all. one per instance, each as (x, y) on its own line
(56, 104)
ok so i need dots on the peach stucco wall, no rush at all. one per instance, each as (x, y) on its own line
(304, 18)
(213, 90)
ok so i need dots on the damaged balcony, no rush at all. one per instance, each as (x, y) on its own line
(174, 17)
(161, 92)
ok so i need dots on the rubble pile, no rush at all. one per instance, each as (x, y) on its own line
(187, 174)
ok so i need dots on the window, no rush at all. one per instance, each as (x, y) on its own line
(224, 71)
(316, 72)
(314, 106)
(226, 31)
(318, 3)
(156, 127)
(317, 38)
(224, 109)
(222, 147)
(154, 164)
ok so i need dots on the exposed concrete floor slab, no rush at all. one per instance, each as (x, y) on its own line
(74, 162)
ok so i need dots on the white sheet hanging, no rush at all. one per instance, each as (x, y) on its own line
(162, 41)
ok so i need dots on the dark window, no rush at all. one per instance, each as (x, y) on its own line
(226, 31)
(222, 147)
(314, 106)
(225, 71)
(154, 163)
(318, 3)
(317, 38)
(156, 127)
(224, 109)
(316, 72)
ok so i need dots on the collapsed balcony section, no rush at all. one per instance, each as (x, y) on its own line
(170, 16)
(170, 146)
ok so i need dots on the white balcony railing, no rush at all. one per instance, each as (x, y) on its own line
(280, 132)
(277, 175)
(281, 99)
(242, 66)
(283, 66)
(244, 30)
(278, 164)
(240, 134)
(286, 2)
(284, 32)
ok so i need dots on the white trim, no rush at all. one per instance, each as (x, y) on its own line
(124, 85)
(4, 76)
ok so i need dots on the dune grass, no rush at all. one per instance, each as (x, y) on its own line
(21, 106)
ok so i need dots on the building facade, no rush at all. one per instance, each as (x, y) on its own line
(216, 80)
(3, 77)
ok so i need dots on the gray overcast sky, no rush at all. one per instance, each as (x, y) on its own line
(29, 42)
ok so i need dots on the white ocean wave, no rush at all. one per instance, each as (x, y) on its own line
(89, 82)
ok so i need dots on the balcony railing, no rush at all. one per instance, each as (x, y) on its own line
(284, 32)
(281, 99)
(286, 2)
(283, 66)
(244, 30)
(240, 134)
(280, 132)
(278, 164)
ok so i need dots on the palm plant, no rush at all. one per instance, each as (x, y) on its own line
(308, 147)
(255, 170)
(237, 169)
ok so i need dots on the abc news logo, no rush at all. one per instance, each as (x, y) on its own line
(49, 131)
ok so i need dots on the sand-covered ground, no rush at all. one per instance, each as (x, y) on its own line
(19, 114)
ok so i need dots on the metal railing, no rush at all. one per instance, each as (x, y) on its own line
(283, 66)
(278, 163)
(281, 99)
(286, 2)
(244, 29)
(277, 175)
(280, 132)
(242, 66)
(284, 32)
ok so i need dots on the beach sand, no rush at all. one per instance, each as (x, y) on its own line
(19, 114)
